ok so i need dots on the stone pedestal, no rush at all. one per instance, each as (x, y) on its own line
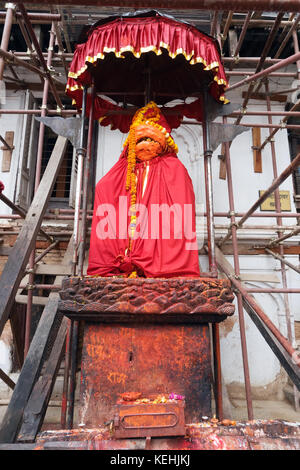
(145, 335)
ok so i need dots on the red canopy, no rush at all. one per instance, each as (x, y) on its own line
(119, 54)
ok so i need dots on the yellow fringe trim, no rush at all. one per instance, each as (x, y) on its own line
(189, 57)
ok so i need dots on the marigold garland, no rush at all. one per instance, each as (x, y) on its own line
(149, 114)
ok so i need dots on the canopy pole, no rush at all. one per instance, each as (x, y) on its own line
(73, 328)
(208, 187)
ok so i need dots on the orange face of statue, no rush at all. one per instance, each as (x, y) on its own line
(150, 142)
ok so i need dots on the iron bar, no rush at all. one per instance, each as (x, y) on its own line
(241, 39)
(284, 237)
(34, 17)
(43, 113)
(31, 287)
(45, 252)
(271, 136)
(51, 112)
(6, 145)
(30, 50)
(287, 37)
(81, 154)
(264, 53)
(72, 384)
(283, 260)
(237, 273)
(60, 45)
(217, 370)
(279, 220)
(86, 178)
(263, 73)
(223, 5)
(40, 54)
(266, 113)
(208, 188)
(21, 214)
(6, 379)
(66, 35)
(64, 399)
(249, 73)
(282, 177)
(226, 26)
(296, 50)
(282, 290)
(259, 227)
(13, 59)
(251, 301)
(6, 34)
(70, 378)
(213, 27)
(276, 127)
(36, 185)
(286, 28)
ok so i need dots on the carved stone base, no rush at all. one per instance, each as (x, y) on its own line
(146, 299)
(145, 335)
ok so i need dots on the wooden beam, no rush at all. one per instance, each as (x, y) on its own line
(39, 399)
(222, 170)
(43, 339)
(18, 259)
(257, 158)
(29, 372)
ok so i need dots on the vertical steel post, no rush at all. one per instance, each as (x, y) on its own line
(211, 249)
(64, 399)
(208, 188)
(72, 384)
(37, 182)
(86, 178)
(81, 152)
(217, 371)
(237, 273)
(279, 222)
(10, 8)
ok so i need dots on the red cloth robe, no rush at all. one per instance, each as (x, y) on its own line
(170, 249)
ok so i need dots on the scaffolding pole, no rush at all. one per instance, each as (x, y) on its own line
(282, 177)
(237, 273)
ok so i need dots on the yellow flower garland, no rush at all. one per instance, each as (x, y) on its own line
(153, 115)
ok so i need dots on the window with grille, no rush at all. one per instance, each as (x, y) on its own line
(62, 187)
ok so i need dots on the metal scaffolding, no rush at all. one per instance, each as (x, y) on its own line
(39, 63)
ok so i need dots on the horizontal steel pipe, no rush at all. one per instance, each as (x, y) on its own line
(281, 178)
(257, 290)
(219, 5)
(21, 214)
(233, 73)
(283, 260)
(40, 54)
(41, 286)
(284, 237)
(263, 73)
(50, 112)
(40, 18)
(13, 60)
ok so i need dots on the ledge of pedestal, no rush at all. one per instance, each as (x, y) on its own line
(175, 300)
